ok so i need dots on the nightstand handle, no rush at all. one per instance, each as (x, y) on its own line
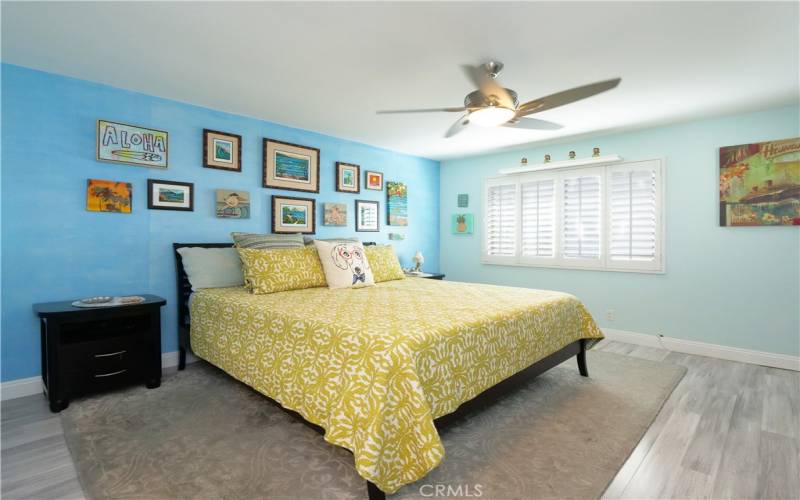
(110, 374)
(109, 354)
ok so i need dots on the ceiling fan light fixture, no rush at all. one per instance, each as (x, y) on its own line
(491, 116)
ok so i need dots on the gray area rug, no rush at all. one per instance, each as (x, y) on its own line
(204, 435)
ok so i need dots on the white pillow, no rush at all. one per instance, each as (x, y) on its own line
(344, 263)
(212, 267)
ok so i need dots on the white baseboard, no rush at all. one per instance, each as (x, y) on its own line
(774, 360)
(33, 385)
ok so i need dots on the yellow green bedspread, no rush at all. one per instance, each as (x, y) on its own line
(374, 366)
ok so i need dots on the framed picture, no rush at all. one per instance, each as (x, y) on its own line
(293, 215)
(334, 214)
(132, 145)
(367, 215)
(463, 223)
(109, 196)
(397, 203)
(759, 184)
(374, 180)
(348, 177)
(222, 150)
(170, 195)
(290, 166)
(232, 204)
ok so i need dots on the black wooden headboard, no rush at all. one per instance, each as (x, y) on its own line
(184, 289)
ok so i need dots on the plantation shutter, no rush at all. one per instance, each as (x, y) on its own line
(581, 216)
(537, 200)
(501, 220)
(634, 214)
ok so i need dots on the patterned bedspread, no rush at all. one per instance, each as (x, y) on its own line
(374, 366)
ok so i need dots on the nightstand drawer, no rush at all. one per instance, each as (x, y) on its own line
(101, 330)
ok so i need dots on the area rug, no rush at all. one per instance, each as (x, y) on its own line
(202, 435)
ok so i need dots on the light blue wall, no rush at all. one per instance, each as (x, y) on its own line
(731, 286)
(53, 249)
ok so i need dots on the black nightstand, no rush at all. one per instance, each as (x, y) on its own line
(92, 349)
(430, 276)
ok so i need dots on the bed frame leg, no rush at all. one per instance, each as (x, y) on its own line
(181, 358)
(374, 492)
(582, 360)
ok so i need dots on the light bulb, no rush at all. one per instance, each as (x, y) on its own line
(491, 116)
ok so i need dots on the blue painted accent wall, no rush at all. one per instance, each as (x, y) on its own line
(53, 249)
(736, 287)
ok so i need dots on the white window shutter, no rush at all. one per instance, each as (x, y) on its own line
(501, 220)
(582, 216)
(537, 211)
(634, 216)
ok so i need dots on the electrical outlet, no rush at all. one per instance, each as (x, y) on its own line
(611, 315)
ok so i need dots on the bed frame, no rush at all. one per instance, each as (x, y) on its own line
(485, 399)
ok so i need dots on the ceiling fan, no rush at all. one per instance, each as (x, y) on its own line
(493, 105)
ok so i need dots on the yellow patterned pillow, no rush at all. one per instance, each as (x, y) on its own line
(278, 270)
(384, 263)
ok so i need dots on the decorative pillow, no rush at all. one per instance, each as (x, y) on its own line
(384, 263)
(344, 263)
(267, 241)
(212, 267)
(309, 240)
(281, 269)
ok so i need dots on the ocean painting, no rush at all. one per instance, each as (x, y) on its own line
(759, 184)
(397, 203)
(292, 167)
(294, 215)
(169, 195)
(223, 151)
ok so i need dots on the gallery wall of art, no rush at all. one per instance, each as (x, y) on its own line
(74, 226)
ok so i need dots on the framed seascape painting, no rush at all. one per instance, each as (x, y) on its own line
(132, 145)
(348, 177)
(463, 223)
(374, 180)
(232, 204)
(759, 184)
(334, 214)
(397, 203)
(170, 195)
(290, 166)
(367, 215)
(293, 215)
(222, 151)
(109, 196)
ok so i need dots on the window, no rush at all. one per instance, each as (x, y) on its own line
(605, 217)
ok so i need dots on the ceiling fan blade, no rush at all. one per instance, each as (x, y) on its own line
(532, 124)
(566, 97)
(488, 86)
(458, 126)
(429, 110)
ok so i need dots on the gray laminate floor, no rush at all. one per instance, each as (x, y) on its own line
(729, 430)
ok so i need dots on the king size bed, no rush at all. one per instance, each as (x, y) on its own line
(377, 369)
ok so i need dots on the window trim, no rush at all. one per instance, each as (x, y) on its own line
(605, 263)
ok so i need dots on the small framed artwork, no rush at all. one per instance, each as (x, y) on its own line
(293, 215)
(463, 223)
(348, 177)
(232, 204)
(463, 200)
(397, 203)
(334, 214)
(109, 196)
(170, 195)
(290, 166)
(374, 180)
(367, 215)
(132, 145)
(222, 150)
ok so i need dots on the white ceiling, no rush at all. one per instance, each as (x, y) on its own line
(329, 67)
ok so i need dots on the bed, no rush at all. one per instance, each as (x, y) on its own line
(374, 368)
